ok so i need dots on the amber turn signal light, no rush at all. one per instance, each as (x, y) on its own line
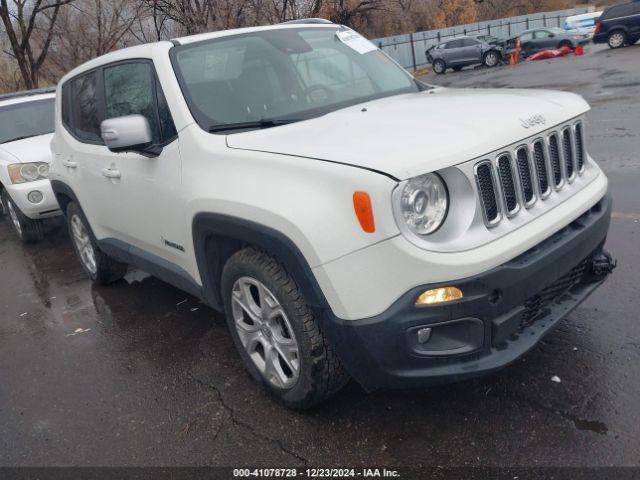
(439, 295)
(364, 211)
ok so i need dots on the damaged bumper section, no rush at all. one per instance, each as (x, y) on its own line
(504, 313)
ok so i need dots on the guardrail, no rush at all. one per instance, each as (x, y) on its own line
(409, 49)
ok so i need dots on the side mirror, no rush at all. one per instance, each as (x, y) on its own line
(131, 133)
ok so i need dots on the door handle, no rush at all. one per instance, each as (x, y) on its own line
(69, 164)
(111, 173)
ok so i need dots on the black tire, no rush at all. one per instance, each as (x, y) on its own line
(457, 69)
(28, 230)
(107, 270)
(321, 374)
(566, 43)
(491, 59)
(439, 67)
(617, 39)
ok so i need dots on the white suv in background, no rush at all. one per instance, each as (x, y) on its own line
(349, 220)
(26, 128)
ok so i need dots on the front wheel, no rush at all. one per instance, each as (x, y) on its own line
(439, 67)
(28, 230)
(566, 44)
(491, 59)
(276, 332)
(100, 268)
(617, 39)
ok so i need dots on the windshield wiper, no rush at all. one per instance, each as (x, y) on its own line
(262, 123)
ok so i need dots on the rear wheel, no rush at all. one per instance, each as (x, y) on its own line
(617, 39)
(491, 59)
(276, 332)
(28, 230)
(439, 67)
(101, 268)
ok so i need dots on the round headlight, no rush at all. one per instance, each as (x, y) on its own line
(43, 170)
(424, 203)
(29, 172)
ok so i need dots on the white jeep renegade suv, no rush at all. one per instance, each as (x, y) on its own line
(26, 128)
(349, 220)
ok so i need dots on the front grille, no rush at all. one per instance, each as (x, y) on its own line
(524, 171)
(541, 167)
(554, 154)
(579, 147)
(537, 305)
(508, 185)
(487, 189)
(538, 168)
(567, 148)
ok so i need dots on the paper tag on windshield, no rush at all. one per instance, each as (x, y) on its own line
(355, 41)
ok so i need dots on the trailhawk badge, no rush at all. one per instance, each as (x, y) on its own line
(533, 121)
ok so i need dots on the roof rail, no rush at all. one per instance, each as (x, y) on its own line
(28, 93)
(310, 21)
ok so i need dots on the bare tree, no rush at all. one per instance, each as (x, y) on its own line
(30, 27)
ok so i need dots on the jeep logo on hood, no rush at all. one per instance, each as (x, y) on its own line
(533, 121)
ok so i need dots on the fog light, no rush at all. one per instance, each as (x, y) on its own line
(439, 295)
(35, 196)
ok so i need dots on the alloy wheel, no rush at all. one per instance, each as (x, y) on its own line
(491, 59)
(616, 40)
(265, 332)
(83, 244)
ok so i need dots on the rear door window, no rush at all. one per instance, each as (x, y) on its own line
(85, 108)
(455, 44)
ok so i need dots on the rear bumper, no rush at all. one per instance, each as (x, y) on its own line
(46, 208)
(600, 38)
(504, 313)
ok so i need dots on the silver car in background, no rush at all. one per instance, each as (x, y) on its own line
(462, 52)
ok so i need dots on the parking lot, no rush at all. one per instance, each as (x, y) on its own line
(153, 378)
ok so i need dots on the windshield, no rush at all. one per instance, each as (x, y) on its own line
(26, 119)
(283, 74)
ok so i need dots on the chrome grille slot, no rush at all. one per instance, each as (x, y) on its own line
(554, 154)
(524, 171)
(541, 168)
(506, 175)
(567, 150)
(488, 193)
(580, 153)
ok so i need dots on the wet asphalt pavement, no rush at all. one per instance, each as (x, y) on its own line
(155, 379)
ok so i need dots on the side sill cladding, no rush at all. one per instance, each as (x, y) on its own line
(216, 237)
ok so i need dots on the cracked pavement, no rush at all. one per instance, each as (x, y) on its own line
(154, 379)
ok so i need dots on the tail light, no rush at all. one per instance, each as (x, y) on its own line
(598, 27)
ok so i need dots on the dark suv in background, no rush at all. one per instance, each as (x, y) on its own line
(619, 25)
(462, 52)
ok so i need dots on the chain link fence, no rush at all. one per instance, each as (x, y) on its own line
(409, 50)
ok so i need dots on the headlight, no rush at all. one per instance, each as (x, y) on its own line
(424, 203)
(28, 172)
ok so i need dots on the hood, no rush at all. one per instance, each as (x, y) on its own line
(32, 149)
(408, 135)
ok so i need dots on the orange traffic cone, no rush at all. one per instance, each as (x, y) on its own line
(579, 51)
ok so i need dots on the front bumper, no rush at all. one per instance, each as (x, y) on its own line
(504, 313)
(47, 208)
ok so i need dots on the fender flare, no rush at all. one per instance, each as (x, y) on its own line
(216, 237)
(60, 188)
